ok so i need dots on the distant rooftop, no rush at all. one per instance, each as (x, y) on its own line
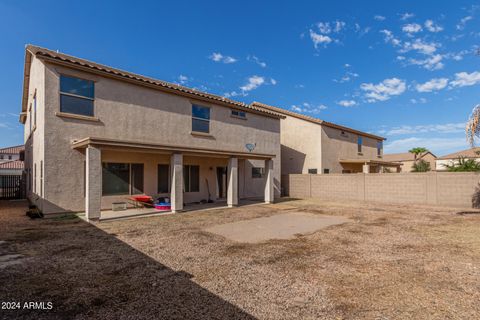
(468, 153)
(12, 150)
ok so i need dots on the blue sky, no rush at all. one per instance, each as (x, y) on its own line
(407, 70)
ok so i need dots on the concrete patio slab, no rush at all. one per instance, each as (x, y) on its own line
(280, 226)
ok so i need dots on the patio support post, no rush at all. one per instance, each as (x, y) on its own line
(366, 168)
(269, 181)
(232, 182)
(93, 183)
(176, 189)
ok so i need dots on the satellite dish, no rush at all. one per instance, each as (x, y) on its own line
(250, 146)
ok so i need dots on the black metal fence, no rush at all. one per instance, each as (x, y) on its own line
(12, 187)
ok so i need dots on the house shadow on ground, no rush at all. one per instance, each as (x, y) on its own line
(87, 273)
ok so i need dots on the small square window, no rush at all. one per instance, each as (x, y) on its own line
(326, 171)
(312, 171)
(240, 114)
(257, 172)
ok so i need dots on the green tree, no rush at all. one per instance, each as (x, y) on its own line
(463, 165)
(417, 151)
(421, 166)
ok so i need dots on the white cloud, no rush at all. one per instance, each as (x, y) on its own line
(308, 108)
(339, 26)
(319, 39)
(257, 61)
(429, 128)
(432, 85)
(406, 16)
(324, 27)
(347, 103)
(233, 94)
(463, 79)
(383, 90)
(416, 101)
(253, 83)
(379, 18)
(431, 63)
(390, 38)
(182, 79)
(432, 27)
(273, 81)
(438, 146)
(412, 28)
(218, 57)
(420, 46)
(463, 22)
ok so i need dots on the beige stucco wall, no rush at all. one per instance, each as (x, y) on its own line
(34, 139)
(136, 113)
(336, 146)
(301, 145)
(307, 145)
(454, 189)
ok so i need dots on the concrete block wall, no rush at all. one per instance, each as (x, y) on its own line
(451, 189)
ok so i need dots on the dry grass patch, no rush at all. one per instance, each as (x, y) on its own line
(391, 262)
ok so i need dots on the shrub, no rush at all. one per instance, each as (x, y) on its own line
(463, 165)
(421, 166)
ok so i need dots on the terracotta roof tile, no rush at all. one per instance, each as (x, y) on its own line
(468, 153)
(14, 164)
(13, 150)
(163, 84)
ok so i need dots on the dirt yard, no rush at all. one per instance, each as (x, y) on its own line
(389, 262)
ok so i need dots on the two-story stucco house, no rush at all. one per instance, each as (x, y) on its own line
(313, 146)
(95, 135)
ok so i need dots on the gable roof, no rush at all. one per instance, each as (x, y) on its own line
(468, 153)
(89, 66)
(405, 156)
(316, 120)
(12, 150)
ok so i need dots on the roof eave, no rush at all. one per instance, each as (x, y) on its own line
(26, 83)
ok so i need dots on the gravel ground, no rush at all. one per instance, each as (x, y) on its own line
(391, 262)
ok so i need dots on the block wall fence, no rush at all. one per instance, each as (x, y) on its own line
(451, 189)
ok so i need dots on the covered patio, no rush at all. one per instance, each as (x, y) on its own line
(368, 166)
(183, 174)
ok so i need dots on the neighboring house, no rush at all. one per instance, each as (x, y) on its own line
(11, 153)
(11, 168)
(407, 159)
(95, 135)
(450, 159)
(311, 145)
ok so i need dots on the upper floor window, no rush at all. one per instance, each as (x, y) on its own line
(312, 171)
(76, 96)
(379, 148)
(200, 119)
(359, 144)
(240, 114)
